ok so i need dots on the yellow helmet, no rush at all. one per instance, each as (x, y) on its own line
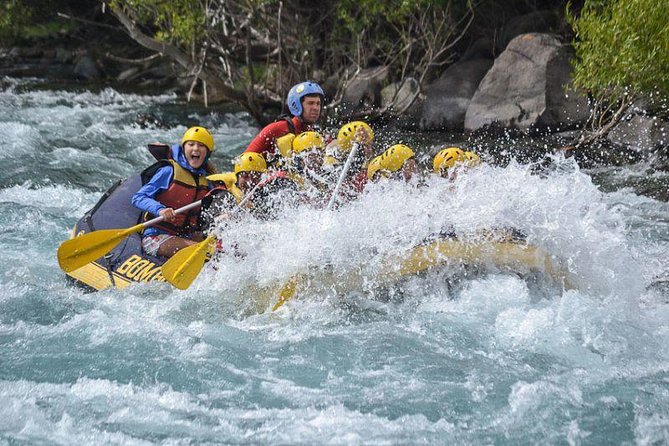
(199, 134)
(347, 134)
(373, 167)
(394, 158)
(227, 178)
(230, 180)
(472, 159)
(250, 162)
(330, 160)
(307, 141)
(285, 144)
(446, 158)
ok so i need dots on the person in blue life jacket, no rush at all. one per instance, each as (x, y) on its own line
(171, 184)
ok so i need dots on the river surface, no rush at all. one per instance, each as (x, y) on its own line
(452, 356)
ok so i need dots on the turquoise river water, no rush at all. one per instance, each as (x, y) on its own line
(452, 356)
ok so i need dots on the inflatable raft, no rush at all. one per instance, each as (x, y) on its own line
(498, 251)
(126, 263)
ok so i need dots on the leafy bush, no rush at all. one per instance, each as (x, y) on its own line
(23, 20)
(622, 48)
(175, 21)
(14, 17)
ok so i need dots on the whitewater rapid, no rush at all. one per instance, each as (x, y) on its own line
(449, 356)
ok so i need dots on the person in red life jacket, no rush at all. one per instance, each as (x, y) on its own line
(171, 184)
(278, 191)
(299, 180)
(358, 132)
(305, 102)
(289, 186)
(314, 180)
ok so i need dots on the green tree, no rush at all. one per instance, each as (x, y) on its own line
(622, 47)
(622, 53)
(252, 51)
(23, 20)
(14, 17)
(176, 21)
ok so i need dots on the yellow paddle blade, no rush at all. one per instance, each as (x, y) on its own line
(288, 291)
(184, 266)
(78, 251)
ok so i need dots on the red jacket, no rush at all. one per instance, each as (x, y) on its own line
(264, 141)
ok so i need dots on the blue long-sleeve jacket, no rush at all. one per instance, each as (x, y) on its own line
(144, 198)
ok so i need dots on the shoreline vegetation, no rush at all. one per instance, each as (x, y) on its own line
(591, 73)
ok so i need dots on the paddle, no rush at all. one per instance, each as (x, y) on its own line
(78, 251)
(183, 267)
(289, 289)
(347, 165)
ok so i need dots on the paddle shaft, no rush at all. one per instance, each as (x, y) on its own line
(181, 210)
(347, 166)
(248, 196)
(78, 251)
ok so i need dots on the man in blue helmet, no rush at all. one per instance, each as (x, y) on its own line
(304, 101)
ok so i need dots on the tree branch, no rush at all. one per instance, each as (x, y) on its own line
(177, 55)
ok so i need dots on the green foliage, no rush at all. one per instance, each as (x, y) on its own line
(622, 48)
(22, 20)
(175, 21)
(358, 15)
(14, 17)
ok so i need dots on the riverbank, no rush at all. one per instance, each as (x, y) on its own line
(71, 62)
(517, 87)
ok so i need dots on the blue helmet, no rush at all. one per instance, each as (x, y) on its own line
(295, 95)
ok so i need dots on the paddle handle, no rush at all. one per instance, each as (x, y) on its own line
(349, 161)
(181, 210)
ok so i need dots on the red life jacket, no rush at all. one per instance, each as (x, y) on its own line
(264, 142)
(185, 188)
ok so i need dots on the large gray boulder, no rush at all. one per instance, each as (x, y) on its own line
(364, 89)
(528, 87)
(447, 99)
(398, 97)
(644, 134)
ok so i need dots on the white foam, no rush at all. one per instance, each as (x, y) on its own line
(563, 213)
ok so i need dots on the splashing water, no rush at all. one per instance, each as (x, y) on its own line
(452, 355)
